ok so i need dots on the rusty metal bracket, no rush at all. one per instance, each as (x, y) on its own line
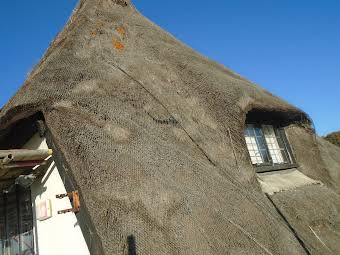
(75, 201)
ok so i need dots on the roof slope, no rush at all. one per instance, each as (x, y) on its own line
(153, 135)
(334, 138)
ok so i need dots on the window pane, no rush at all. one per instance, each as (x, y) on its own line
(258, 132)
(253, 149)
(273, 145)
(284, 147)
(26, 223)
(256, 145)
(261, 143)
(265, 156)
(250, 130)
(16, 223)
(12, 224)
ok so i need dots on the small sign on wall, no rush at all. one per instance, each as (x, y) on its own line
(44, 210)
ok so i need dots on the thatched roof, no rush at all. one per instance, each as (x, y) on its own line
(334, 138)
(152, 134)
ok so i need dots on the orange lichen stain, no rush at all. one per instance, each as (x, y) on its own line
(93, 33)
(117, 44)
(121, 30)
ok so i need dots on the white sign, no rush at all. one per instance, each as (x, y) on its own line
(44, 210)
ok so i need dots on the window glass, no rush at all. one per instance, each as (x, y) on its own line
(266, 145)
(16, 223)
(273, 146)
(283, 146)
(256, 145)
(26, 223)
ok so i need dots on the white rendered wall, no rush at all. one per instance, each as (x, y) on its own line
(60, 234)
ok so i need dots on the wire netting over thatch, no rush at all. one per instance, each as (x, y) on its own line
(152, 133)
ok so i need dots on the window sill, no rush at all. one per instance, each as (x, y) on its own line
(262, 169)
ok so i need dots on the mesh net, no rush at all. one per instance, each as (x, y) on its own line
(153, 134)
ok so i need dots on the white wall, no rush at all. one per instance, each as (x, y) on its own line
(60, 234)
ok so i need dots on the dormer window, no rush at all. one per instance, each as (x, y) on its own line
(268, 147)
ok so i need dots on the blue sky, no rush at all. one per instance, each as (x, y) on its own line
(292, 48)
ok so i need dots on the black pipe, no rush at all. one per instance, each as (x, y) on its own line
(132, 249)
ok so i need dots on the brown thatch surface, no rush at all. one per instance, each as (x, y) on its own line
(152, 133)
(331, 158)
(334, 138)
